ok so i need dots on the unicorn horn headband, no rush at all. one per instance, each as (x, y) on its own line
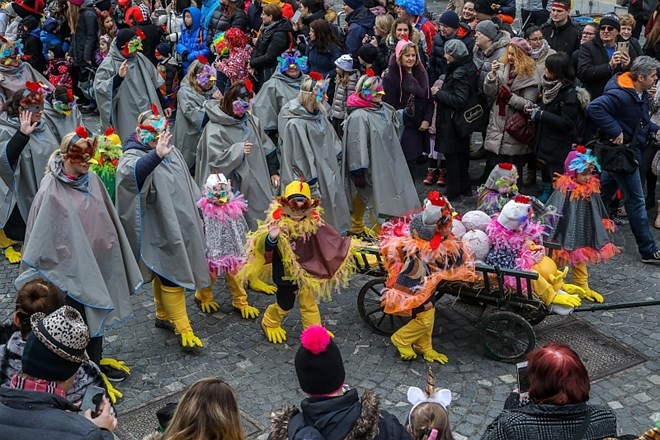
(430, 395)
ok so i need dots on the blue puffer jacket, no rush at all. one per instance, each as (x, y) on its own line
(208, 6)
(323, 62)
(48, 39)
(192, 41)
(605, 112)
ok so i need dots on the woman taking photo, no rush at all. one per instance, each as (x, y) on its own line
(555, 118)
(513, 82)
(406, 86)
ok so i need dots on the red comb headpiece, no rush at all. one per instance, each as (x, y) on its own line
(140, 34)
(33, 86)
(109, 131)
(436, 199)
(370, 72)
(249, 86)
(506, 166)
(69, 95)
(154, 110)
(82, 132)
(202, 59)
(522, 199)
(316, 76)
(581, 149)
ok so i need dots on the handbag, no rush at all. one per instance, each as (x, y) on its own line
(519, 127)
(474, 118)
(619, 159)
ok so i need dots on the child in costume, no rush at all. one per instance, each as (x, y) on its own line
(428, 418)
(106, 160)
(61, 111)
(225, 230)
(418, 255)
(233, 57)
(310, 259)
(584, 228)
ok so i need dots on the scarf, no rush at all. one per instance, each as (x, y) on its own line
(536, 53)
(40, 385)
(550, 89)
(56, 166)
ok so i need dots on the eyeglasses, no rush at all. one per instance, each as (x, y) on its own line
(535, 39)
(607, 28)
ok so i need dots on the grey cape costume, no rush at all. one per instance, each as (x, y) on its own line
(135, 94)
(188, 123)
(88, 257)
(371, 143)
(309, 147)
(60, 124)
(20, 184)
(221, 150)
(14, 78)
(272, 96)
(161, 219)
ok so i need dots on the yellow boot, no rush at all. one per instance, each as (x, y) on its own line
(581, 279)
(408, 335)
(204, 299)
(174, 302)
(357, 216)
(5, 241)
(162, 319)
(272, 324)
(309, 309)
(239, 298)
(424, 343)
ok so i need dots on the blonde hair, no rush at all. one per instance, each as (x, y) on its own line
(522, 63)
(72, 16)
(428, 416)
(207, 411)
(627, 20)
(404, 51)
(64, 145)
(384, 23)
(307, 97)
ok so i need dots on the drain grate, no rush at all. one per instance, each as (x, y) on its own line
(142, 421)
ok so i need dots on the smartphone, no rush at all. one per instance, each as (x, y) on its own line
(622, 46)
(92, 400)
(296, 16)
(523, 378)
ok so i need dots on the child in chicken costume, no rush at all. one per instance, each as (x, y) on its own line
(420, 253)
(584, 231)
(309, 258)
(225, 230)
(106, 160)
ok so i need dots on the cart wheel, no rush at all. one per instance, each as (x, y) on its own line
(371, 311)
(506, 336)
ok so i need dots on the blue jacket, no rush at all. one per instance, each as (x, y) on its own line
(208, 6)
(606, 112)
(323, 62)
(192, 39)
(360, 23)
(49, 39)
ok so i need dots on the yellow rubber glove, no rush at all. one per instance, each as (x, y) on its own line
(567, 300)
(204, 298)
(188, 339)
(573, 289)
(276, 335)
(407, 353)
(259, 286)
(592, 295)
(332, 335)
(434, 356)
(115, 364)
(249, 312)
(13, 256)
(113, 393)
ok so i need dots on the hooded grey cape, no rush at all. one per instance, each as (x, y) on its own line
(135, 94)
(60, 124)
(221, 150)
(20, 185)
(162, 221)
(371, 143)
(88, 255)
(309, 147)
(14, 78)
(188, 123)
(275, 92)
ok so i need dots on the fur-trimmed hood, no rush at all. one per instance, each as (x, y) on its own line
(341, 417)
(583, 96)
(501, 40)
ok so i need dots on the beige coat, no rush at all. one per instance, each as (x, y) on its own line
(525, 90)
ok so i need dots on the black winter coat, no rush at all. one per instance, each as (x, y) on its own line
(154, 34)
(85, 40)
(271, 44)
(556, 130)
(461, 82)
(593, 65)
(220, 23)
(564, 38)
(437, 62)
(33, 52)
(254, 16)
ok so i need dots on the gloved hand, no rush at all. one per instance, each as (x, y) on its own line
(204, 299)
(113, 393)
(209, 307)
(536, 113)
(573, 289)
(259, 286)
(275, 335)
(115, 364)
(13, 256)
(504, 94)
(188, 339)
(434, 356)
(249, 312)
(567, 300)
(407, 353)
(589, 294)
(359, 180)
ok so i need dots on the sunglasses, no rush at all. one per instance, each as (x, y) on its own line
(607, 28)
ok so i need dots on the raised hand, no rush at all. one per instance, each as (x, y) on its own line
(25, 119)
(163, 147)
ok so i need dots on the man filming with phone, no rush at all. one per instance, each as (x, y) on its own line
(35, 407)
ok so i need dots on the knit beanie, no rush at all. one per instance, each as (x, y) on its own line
(450, 19)
(368, 53)
(123, 37)
(78, 3)
(354, 4)
(611, 19)
(456, 48)
(488, 29)
(164, 49)
(318, 363)
(522, 44)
